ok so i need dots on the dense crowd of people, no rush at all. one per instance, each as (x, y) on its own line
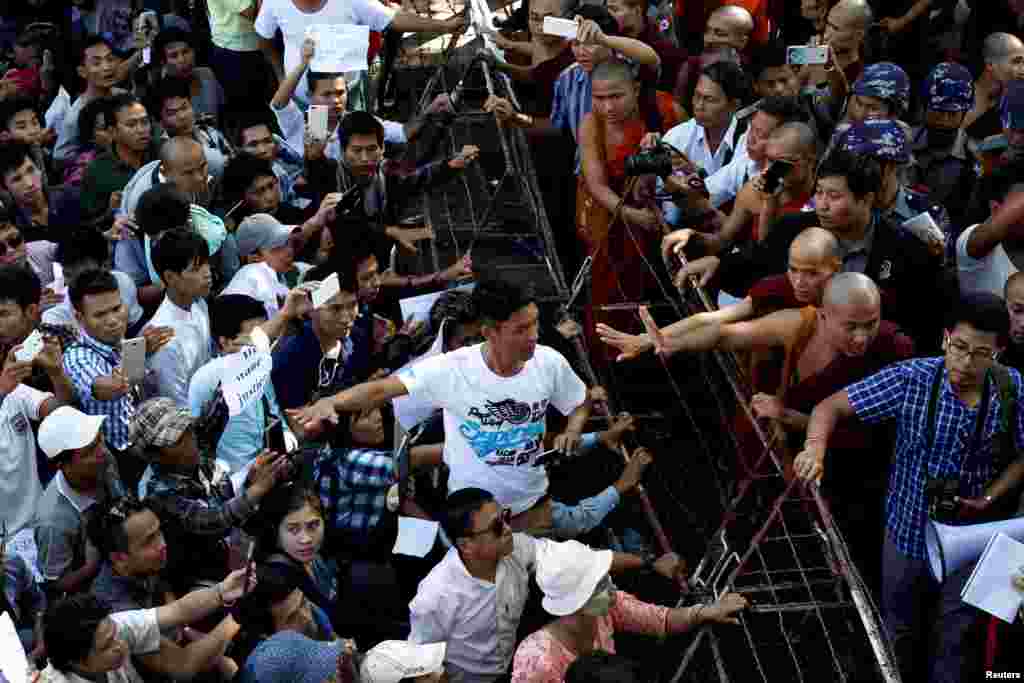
(226, 453)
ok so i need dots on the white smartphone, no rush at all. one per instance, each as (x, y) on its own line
(318, 121)
(806, 54)
(133, 359)
(30, 348)
(565, 28)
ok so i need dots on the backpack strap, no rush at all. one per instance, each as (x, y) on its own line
(933, 400)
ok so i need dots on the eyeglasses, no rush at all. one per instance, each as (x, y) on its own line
(12, 243)
(497, 526)
(958, 349)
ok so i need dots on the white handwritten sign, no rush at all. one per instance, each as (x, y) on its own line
(245, 376)
(339, 47)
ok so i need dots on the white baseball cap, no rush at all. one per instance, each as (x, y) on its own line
(393, 660)
(66, 429)
(568, 572)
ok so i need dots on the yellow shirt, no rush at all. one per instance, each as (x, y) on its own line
(229, 29)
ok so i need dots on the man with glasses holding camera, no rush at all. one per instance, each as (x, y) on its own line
(955, 461)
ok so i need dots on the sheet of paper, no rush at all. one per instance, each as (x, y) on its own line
(339, 47)
(327, 290)
(246, 373)
(418, 307)
(990, 587)
(415, 536)
(58, 285)
(13, 662)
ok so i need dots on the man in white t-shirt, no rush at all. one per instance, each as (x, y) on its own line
(982, 263)
(86, 642)
(265, 246)
(294, 17)
(495, 397)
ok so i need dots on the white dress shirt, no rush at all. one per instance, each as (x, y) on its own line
(477, 619)
(172, 367)
(690, 139)
(725, 183)
(262, 283)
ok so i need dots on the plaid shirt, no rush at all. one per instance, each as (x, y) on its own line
(203, 503)
(353, 485)
(900, 392)
(86, 360)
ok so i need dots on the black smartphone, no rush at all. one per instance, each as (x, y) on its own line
(274, 438)
(773, 175)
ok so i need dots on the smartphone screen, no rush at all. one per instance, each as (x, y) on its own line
(133, 359)
(274, 437)
(318, 121)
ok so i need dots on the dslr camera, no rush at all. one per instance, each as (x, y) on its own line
(656, 161)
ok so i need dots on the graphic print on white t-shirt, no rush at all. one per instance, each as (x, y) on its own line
(505, 432)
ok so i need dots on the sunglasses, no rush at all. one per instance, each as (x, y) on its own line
(497, 526)
(13, 243)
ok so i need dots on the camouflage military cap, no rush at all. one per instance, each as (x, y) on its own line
(1011, 107)
(886, 81)
(881, 139)
(949, 87)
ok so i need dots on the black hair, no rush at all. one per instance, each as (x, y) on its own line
(118, 102)
(347, 281)
(274, 507)
(455, 306)
(770, 56)
(81, 245)
(600, 15)
(785, 109)
(863, 174)
(983, 311)
(354, 242)
(314, 77)
(496, 299)
(998, 184)
(69, 628)
(20, 285)
(457, 519)
(241, 171)
(360, 123)
(162, 207)
(602, 667)
(13, 106)
(89, 42)
(172, 34)
(12, 156)
(177, 250)
(89, 283)
(89, 114)
(229, 311)
(105, 526)
(731, 78)
(250, 120)
(274, 583)
(169, 88)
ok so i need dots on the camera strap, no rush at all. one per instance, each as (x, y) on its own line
(979, 423)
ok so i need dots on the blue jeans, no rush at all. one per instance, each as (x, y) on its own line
(912, 604)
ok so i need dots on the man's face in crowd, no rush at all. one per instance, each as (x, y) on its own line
(863, 107)
(539, 9)
(86, 463)
(516, 337)
(264, 194)
(104, 317)
(778, 80)
(761, 127)
(16, 322)
(969, 354)
(25, 183)
(132, 128)
(333, 94)
(146, 551)
(99, 67)
(490, 537)
(259, 142)
(295, 613)
(363, 154)
(614, 100)
(108, 653)
(368, 277)
(839, 210)
(943, 120)
(12, 246)
(177, 116)
(808, 275)
(722, 32)
(588, 56)
(853, 326)
(711, 107)
(180, 59)
(630, 16)
(1011, 68)
(24, 127)
(335, 318)
(1015, 306)
(190, 173)
(802, 166)
(192, 283)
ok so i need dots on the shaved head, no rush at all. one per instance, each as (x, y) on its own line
(998, 47)
(175, 150)
(737, 16)
(612, 70)
(796, 138)
(851, 15)
(816, 245)
(728, 26)
(851, 289)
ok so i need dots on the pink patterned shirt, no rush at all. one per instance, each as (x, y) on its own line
(541, 658)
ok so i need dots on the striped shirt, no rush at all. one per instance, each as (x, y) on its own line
(86, 360)
(353, 486)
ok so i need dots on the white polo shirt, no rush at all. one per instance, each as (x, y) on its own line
(20, 489)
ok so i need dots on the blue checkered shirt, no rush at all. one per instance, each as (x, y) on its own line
(900, 392)
(86, 360)
(353, 485)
